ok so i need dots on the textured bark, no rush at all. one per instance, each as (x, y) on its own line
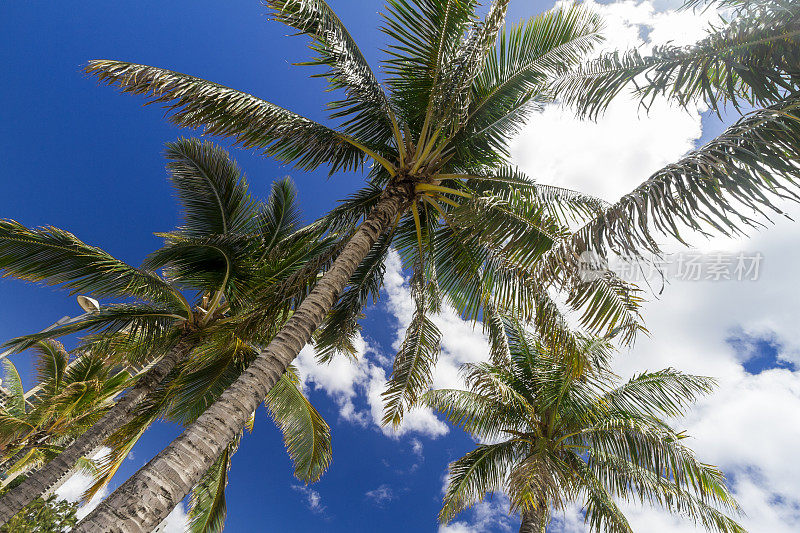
(143, 501)
(535, 520)
(54, 472)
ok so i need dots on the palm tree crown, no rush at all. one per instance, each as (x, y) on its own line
(567, 431)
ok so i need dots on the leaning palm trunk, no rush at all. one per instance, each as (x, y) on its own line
(145, 499)
(535, 521)
(47, 477)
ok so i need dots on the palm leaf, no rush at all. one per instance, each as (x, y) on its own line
(211, 189)
(365, 106)
(480, 471)
(15, 402)
(252, 122)
(413, 365)
(208, 508)
(751, 60)
(306, 435)
(55, 257)
(513, 78)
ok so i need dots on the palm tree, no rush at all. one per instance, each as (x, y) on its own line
(564, 431)
(438, 141)
(228, 250)
(70, 399)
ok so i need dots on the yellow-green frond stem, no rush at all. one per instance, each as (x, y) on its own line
(423, 187)
(390, 168)
(435, 205)
(398, 137)
(415, 212)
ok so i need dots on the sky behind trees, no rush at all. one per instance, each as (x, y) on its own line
(84, 158)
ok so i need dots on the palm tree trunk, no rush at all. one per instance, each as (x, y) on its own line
(143, 501)
(535, 520)
(39, 482)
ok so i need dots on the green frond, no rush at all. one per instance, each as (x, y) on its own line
(452, 89)
(481, 471)
(477, 414)
(306, 435)
(137, 319)
(252, 122)
(56, 257)
(666, 392)
(213, 367)
(425, 36)
(751, 60)
(51, 362)
(210, 187)
(208, 508)
(280, 216)
(15, 402)
(513, 79)
(413, 365)
(365, 106)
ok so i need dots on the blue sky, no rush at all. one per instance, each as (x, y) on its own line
(85, 158)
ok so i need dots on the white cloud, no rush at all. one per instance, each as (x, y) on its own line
(313, 499)
(381, 495)
(74, 487)
(176, 521)
(416, 447)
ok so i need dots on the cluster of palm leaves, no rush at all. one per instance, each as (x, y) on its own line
(228, 250)
(476, 233)
(558, 431)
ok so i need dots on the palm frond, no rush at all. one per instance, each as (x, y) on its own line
(306, 435)
(50, 364)
(512, 81)
(208, 508)
(365, 106)
(666, 392)
(210, 187)
(137, 319)
(57, 257)
(280, 216)
(252, 122)
(15, 403)
(425, 36)
(480, 471)
(451, 92)
(413, 365)
(751, 60)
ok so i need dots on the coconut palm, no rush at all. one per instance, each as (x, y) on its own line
(561, 432)
(228, 249)
(70, 399)
(456, 92)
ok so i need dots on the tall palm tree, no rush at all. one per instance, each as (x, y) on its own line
(567, 431)
(70, 400)
(228, 249)
(456, 93)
